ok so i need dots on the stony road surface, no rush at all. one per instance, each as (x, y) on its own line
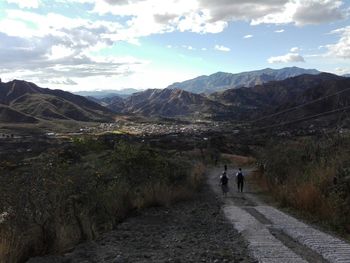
(191, 231)
(272, 235)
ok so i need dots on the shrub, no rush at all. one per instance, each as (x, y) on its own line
(301, 174)
(75, 193)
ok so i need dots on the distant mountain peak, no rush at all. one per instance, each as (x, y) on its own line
(221, 80)
(100, 94)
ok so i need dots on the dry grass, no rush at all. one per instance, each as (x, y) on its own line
(6, 245)
(300, 176)
(164, 195)
(197, 175)
(238, 160)
(10, 246)
(259, 178)
(159, 195)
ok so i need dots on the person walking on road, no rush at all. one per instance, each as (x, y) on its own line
(240, 180)
(224, 181)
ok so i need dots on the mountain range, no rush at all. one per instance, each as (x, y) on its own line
(222, 81)
(239, 103)
(25, 102)
(22, 101)
(100, 94)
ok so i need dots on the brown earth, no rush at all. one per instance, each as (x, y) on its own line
(191, 231)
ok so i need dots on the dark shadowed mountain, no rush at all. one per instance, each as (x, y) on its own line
(222, 81)
(275, 93)
(99, 94)
(346, 75)
(10, 115)
(327, 102)
(291, 99)
(115, 103)
(26, 102)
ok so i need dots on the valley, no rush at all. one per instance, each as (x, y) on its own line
(89, 151)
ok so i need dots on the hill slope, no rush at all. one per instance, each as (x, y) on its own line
(291, 99)
(27, 99)
(10, 115)
(167, 103)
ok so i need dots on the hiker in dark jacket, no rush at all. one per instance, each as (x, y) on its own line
(240, 179)
(224, 183)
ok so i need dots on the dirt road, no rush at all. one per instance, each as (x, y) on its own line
(272, 235)
(190, 231)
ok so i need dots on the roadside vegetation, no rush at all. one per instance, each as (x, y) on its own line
(312, 176)
(51, 202)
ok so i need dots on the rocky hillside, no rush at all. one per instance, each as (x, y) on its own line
(310, 94)
(171, 103)
(115, 103)
(23, 101)
(222, 81)
(274, 93)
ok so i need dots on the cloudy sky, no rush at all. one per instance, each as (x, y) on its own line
(114, 44)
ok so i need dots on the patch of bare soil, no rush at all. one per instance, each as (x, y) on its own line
(191, 231)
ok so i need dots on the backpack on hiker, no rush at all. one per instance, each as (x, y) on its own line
(224, 179)
(240, 176)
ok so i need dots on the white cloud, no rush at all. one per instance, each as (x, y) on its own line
(279, 31)
(341, 49)
(188, 47)
(25, 3)
(198, 22)
(317, 12)
(159, 16)
(342, 71)
(222, 48)
(43, 48)
(54, 46)
(289, 57)
(304, 12)
(57, 81)
(248, 36)
(147, 17)
(295, 50)
(207, 16)
(60, 51)
(204, 49)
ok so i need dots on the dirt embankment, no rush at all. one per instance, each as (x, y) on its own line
(191, 231)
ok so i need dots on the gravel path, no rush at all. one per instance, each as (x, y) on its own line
(191, 231)
(274, 236)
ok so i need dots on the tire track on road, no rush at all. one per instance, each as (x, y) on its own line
(274, 236)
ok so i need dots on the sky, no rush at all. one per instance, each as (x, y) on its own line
(80, 45)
